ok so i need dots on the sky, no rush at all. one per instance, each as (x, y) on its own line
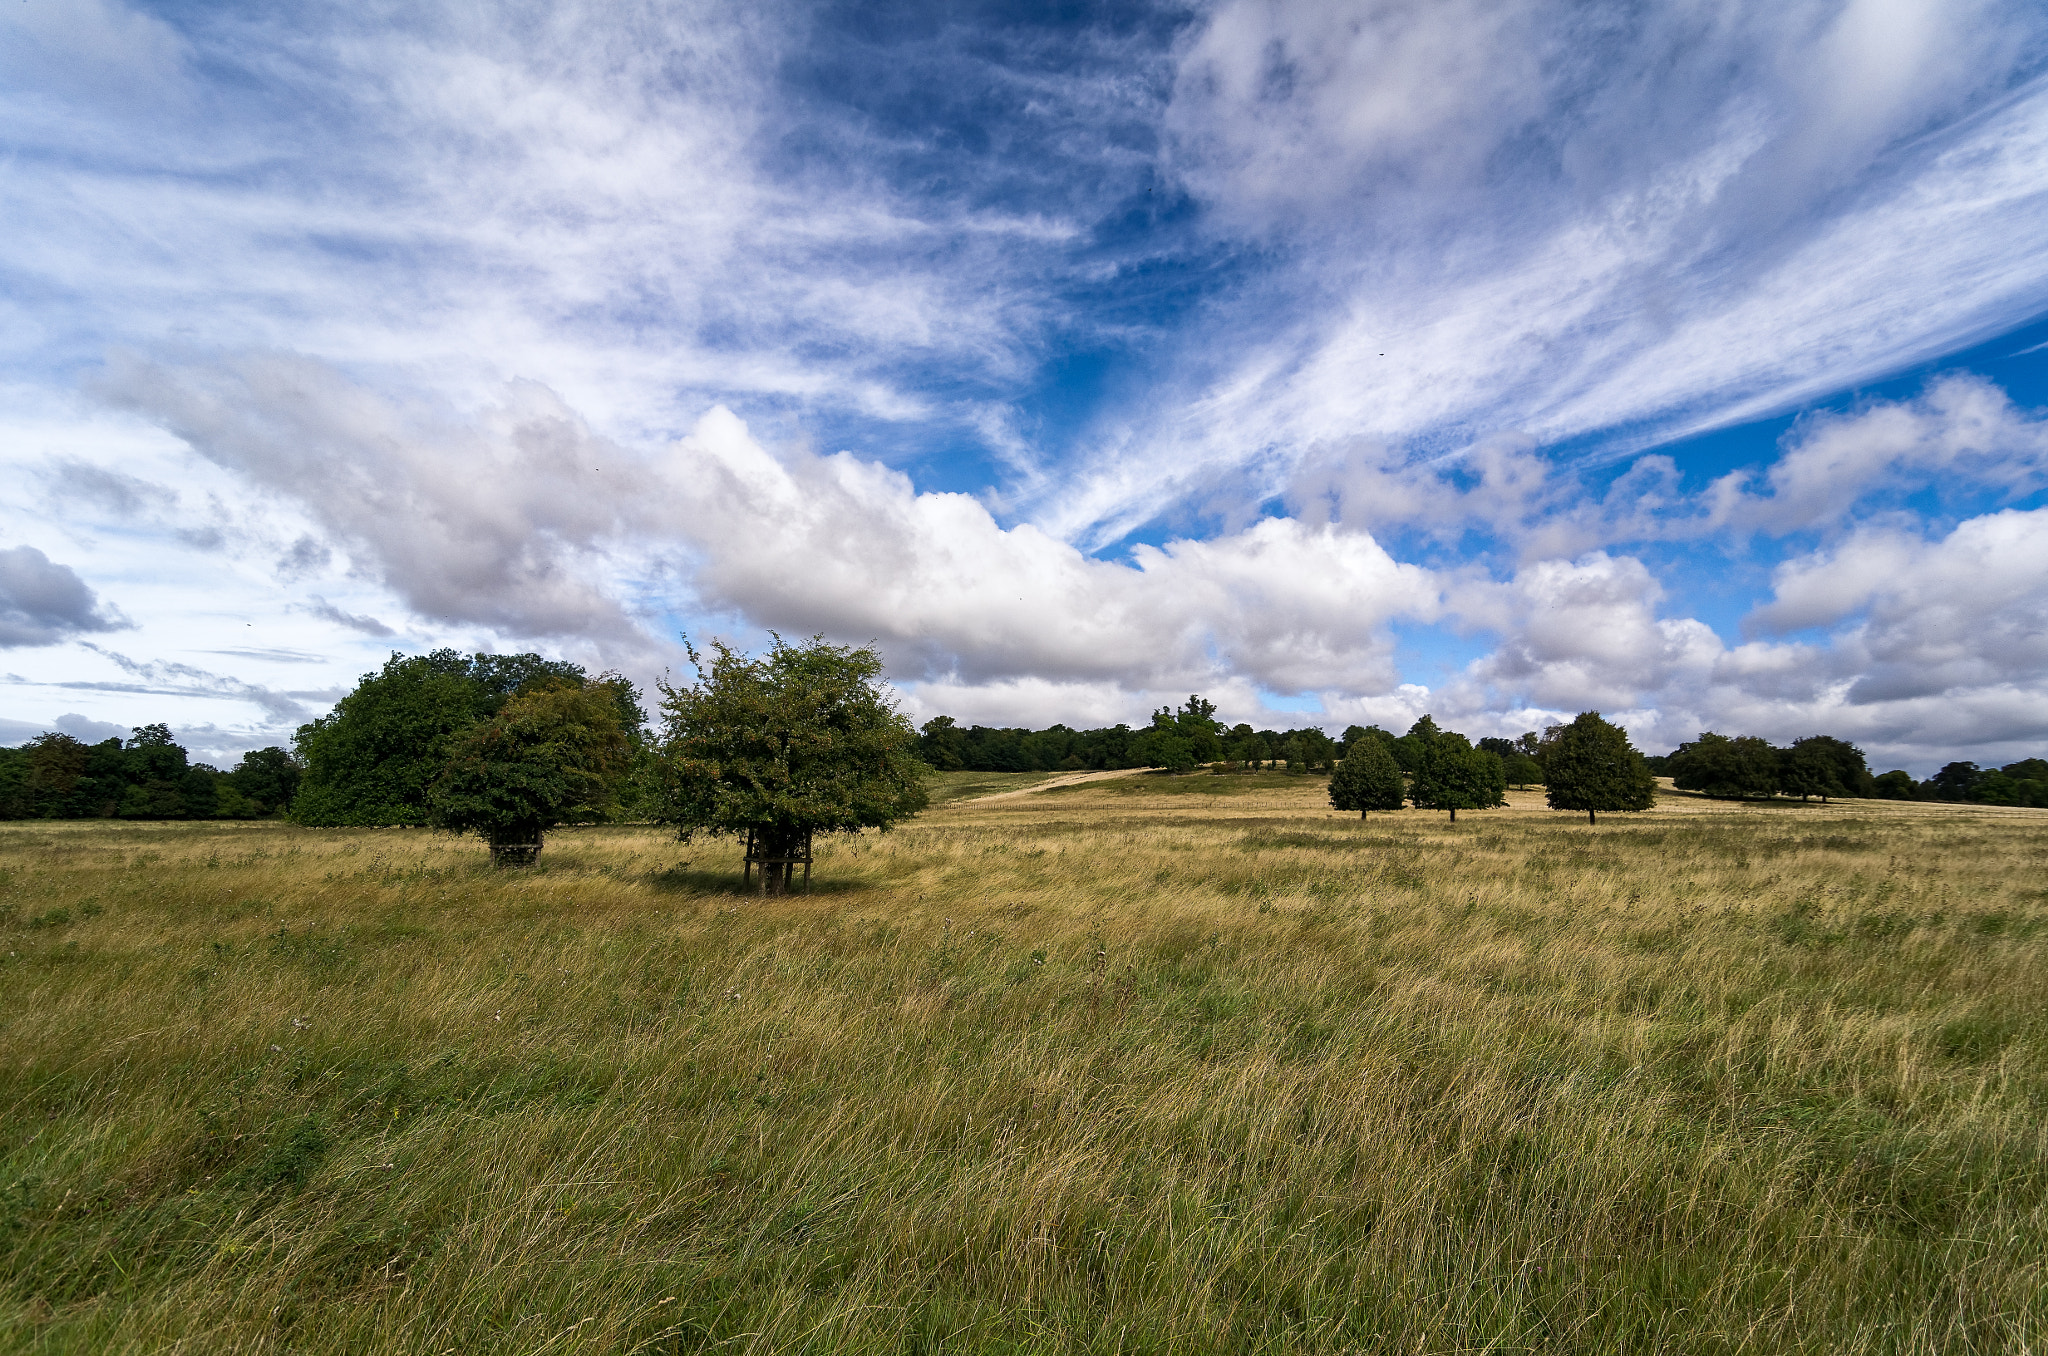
(1497, 359)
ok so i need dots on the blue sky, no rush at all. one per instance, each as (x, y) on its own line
(1494, 358)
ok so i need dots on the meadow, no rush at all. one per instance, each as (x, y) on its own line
(1189, 1065)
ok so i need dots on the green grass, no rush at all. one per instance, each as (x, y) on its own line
(1063, 1074)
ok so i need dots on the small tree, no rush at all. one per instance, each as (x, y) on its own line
(1522, 770)
(804, 740)
(1368, 779)
(1593, 767)
(555, 753)
(1452, 775)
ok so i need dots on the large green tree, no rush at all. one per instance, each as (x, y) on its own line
(1452, 775)
(371, 759)
(1593, 767)
(1821, 765)
(1367, 779)
(803, 740)
(1744, 767)
(555, 753)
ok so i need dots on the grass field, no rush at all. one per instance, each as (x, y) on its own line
(1134, 1066)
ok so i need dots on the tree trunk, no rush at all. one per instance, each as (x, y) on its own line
(1361, 814)
(1589, 817)
(1454, 814)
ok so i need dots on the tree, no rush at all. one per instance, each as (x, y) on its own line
(1821, 765)
(1411, 748)
(943, 744)
(154, 768)
(268, 778)
(1454, 776)
(803, 740)
(1898, 784)
(371, 759)
(1196, 723)
(1522, 770)
(1163, 746)
(1368, 779)
(1740, 768)
(1318, 750)
(1354, 733)
(1955, 781)
(1593, 767)
(554, 753)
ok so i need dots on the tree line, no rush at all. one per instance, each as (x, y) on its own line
(804, 739)
(1178, 739)
(147, 776)
(1744, 767)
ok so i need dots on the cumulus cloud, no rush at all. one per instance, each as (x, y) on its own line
(1928, 646)
(1962, 431)
(500, 523)
(846, 545)
(526, 521)
(1584, 632)
(1967, 612)
(42, 602)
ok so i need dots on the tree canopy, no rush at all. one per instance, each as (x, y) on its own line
(1593, 767)
(802, 740)
(1821, 765)
(148, 776)
(1367, 779)
(1452, 775)
(1744, 767)
(1177, 739)
(556, 752)
(372, 759)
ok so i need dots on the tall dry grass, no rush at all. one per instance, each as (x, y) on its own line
(1132, 1066)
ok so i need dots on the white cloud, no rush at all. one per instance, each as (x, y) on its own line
(1615, 225)
(1584, 632)
(1961, 432)
(524, 521)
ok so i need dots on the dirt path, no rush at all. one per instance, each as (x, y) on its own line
(1069, 779)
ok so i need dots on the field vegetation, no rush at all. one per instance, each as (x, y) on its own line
(1113, 1068)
